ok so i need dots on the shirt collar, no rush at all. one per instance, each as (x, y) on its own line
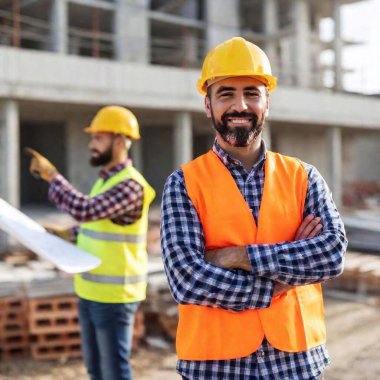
(231, 162)
(108, 173)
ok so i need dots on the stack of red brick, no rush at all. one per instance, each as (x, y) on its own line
(45, 328)
(53, 326)
(14, 334)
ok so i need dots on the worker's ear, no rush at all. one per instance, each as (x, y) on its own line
(127, 143)
(208, 106)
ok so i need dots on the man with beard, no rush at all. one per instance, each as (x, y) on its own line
(113, 226)
(248, 236)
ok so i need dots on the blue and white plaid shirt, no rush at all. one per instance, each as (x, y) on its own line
(194, 281)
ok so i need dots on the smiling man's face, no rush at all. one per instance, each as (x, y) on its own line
(237, 107)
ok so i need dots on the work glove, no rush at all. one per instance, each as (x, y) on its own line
(40, 167)
(65, 234)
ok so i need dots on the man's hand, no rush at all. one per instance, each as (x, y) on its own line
(280, 288)
(65, 234)
(40, 167)
(237, 258)
(309, 228)
(229, 258)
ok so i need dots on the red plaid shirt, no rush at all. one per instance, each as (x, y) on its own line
(122, 203)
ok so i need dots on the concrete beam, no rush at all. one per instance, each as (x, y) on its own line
(334, 138)
(302, 43)
(338, 45)
(59, 26)
(9, 152)
(219, 27)
(43, 76)
(176, 20)
(271, 27)
(266, 135)
(305, 106)
(131, 31)
(183, 139)
(101, 4)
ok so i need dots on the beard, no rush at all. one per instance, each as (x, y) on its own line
(239, 136)
(103, 158)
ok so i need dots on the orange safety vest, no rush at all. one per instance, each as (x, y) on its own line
(294, 321)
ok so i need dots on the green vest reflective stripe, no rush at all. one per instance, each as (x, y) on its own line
(122, 275)
(116, 280)
(106, 236)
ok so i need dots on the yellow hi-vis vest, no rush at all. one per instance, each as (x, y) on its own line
(122, 275)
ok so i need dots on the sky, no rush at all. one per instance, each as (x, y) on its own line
(361, 22)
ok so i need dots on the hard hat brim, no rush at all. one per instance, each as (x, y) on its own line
(268, 80)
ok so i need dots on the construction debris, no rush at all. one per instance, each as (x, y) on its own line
(38, 307)
(361, 277)
(363, 231)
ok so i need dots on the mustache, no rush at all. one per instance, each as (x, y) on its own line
(243, 114)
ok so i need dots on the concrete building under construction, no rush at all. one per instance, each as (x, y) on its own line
(60, 60)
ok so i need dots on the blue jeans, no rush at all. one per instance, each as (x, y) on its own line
(106, 333)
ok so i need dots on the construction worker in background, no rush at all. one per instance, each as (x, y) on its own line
(113, 226)
(247, 236)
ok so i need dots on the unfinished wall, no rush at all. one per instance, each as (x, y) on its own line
(307, 143)
(48, 138)
(80, 173)
(361, 155)
(157, 147)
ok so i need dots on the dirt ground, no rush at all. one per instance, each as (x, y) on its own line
(353, 343)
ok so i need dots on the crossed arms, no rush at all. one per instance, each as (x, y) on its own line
(247, 281)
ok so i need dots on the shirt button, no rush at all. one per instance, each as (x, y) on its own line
(260, 353)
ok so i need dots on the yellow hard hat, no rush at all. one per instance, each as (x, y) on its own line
(233, 58)
(115, 119)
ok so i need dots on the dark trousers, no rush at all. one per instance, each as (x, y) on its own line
(106, 333)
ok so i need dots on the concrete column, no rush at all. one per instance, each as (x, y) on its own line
(190, 44)
(266, 135)
(271, 27)
(59, 26)
(338, 45)
(9, 152)
(219, 27)
(137, 155)
(183, 139)
(302, 65)
(131, 31)
(334, 137)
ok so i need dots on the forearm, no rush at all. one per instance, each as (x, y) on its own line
(191, 279)
(306, 261)
(194, 281)
(122, 200)
(300, 263)
(65, 197)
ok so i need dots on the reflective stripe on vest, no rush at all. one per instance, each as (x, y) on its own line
(109, 236)
(113, 280)
(294, 321)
